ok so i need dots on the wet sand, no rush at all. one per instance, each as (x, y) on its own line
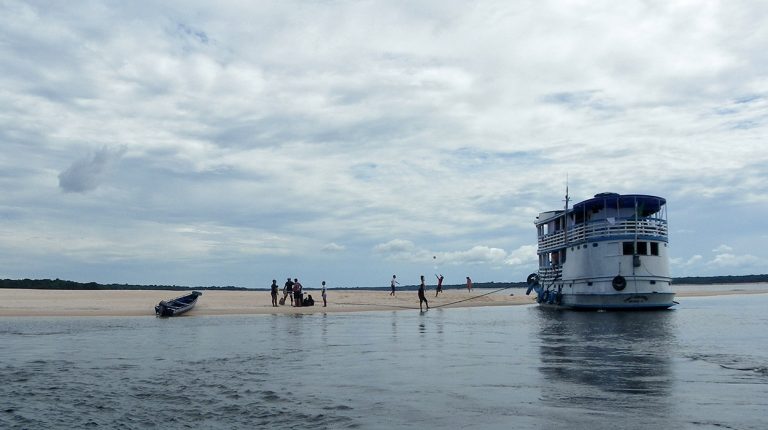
(44, 303)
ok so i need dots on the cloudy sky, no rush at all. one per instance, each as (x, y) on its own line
(230, 143)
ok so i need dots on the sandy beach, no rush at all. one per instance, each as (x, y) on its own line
(42, 303)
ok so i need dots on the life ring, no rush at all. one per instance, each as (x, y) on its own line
(533, 279)
(619, 283)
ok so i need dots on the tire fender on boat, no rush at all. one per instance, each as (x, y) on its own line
(619, 283)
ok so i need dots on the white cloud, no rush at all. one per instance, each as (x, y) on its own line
(722, 249)
(333, 247)
(475, 255)
(732, 260)
(399, 249)
(726, 258)
(690, 262)
(318, 125)
(524, 256)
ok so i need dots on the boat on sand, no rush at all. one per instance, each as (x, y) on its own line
(177, 306)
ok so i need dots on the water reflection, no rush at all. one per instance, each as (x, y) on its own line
(605, 360)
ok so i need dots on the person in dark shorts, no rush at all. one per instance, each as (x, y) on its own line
(288, 290)
(297, 293)
(394, 281)
(439, 284)
(422, 298)
(274, 289)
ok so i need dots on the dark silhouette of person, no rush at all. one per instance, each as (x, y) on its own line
(288, 290)
(422, 299)
(298, 295)
(325, 303)
(274, 289)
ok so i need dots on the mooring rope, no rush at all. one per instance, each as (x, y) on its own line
(431, 307)
(375, 304)
(471, 298)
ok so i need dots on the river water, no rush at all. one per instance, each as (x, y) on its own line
(701, 365)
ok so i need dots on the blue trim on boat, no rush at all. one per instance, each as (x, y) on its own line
(649, 204)
(636, 306)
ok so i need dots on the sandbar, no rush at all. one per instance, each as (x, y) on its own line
(83, 303)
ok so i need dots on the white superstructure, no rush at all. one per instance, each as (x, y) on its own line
(608, 252)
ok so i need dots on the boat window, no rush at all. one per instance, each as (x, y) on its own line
(628, 248)
(642, 248)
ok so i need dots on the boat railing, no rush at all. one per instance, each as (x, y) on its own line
(654, 227)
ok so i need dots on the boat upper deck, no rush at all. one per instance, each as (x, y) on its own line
(647, 228)
(607, 216)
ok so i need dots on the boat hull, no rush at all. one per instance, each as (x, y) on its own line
(628, 301)
(177, 306)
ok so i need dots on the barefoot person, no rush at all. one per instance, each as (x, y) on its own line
(394, 281)
(325, 303)
(288, 290)
(298, 294)
(439, 284)
(274, 292)
(422, 298)
(469, 284)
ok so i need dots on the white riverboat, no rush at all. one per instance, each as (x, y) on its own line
(608, 252)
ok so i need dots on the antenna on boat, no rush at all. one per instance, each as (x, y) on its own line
(565, 213)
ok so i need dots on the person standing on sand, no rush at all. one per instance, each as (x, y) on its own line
(439, 284)
(325, 303)
(422, 298)
(469, 284)
(288, 290)
(297, 293)
(394, 281)
(274, 291)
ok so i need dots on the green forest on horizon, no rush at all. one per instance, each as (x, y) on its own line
(59, 284)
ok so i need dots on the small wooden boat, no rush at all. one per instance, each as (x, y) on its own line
(177, 306)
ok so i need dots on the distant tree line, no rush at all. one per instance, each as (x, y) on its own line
(59, 284)
(742, 279)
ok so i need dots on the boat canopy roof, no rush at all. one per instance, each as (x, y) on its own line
(647, 204)
(546, 216)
